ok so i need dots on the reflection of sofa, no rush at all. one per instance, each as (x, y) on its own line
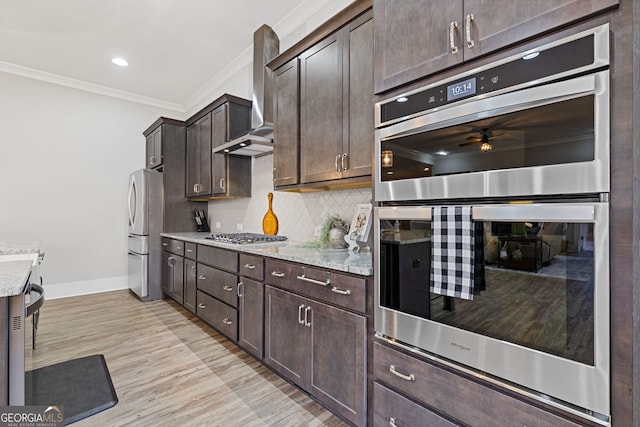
(551, 234)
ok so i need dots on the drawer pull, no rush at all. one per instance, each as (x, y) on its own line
(202, 277)
(395, 372)
(250, 266)
(341, 291)
(201, 305)
(227, 288)
(277, 274)
(190, 250)
(392, 422)
(226, 321)
(304, 278)
(165, 244)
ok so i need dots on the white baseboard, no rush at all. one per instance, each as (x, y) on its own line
(84, 287)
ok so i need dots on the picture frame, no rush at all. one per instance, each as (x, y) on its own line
(361, 223)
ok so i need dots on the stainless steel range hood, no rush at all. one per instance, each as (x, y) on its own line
(259, 140)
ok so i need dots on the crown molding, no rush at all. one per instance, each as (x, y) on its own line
(32, 73)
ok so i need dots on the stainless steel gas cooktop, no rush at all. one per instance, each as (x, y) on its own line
(245, 238)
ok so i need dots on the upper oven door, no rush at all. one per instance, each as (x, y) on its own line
(546, 140)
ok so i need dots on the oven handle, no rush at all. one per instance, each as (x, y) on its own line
(495, 106)
(583, 212)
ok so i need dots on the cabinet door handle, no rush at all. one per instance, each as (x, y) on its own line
(306, 317)
(341, 291)
(171, 261)
(227, 321)
(470, 42)
(240, 294)
(201, 277)
(222, 183)
(300, 321)
(344, 156)
(202, 306)
(337, 159)
(452, 37)
(395, 372)
(250, 266)
(277, 274)
(193, 270)
(392, 422)
(227, 288)
(152, 160)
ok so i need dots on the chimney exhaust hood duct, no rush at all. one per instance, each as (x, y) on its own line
(259, 140)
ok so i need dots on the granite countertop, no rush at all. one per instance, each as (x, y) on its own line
(335, 259)
(16, 262)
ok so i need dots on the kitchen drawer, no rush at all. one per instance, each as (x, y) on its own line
(219, 315)
(462, 399)
(173, 246)
(252, 266)
(218, 283)
(190, 250)
(391, 408)
(219, 258)
(324, 285)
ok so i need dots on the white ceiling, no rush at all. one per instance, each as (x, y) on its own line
(174, 47)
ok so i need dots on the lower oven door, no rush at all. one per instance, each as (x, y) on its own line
(538, 316)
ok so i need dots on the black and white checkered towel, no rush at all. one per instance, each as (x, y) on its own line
(453, 262)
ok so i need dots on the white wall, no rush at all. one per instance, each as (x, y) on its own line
(66, 157)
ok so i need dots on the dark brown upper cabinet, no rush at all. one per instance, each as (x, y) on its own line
(154, 149)
(336, 105)
(286, 129)
(324, 123)
(417, 38)
(216, 175)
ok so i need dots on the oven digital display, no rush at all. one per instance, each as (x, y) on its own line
(461, 89)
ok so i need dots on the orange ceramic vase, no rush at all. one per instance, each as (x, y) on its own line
(270, 220)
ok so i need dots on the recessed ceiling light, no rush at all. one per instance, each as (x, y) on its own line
(120, 61)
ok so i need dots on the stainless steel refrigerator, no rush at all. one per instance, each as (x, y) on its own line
(145, 207)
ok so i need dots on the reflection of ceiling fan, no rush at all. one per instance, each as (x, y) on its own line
(485, 136)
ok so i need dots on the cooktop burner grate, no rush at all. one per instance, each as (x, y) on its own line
(245, 238)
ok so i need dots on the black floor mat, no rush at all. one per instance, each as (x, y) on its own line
(81, 386)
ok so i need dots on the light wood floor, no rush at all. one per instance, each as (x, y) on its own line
(167, 366)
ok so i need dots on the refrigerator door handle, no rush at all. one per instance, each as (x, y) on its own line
(132, 202)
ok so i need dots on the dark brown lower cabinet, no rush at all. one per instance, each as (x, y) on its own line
(173, 276)
(319, 347)
(435, 389)
(218, 314)
(189, 285)
(250, 316)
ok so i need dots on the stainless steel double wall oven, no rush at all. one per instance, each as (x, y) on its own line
(524, 142)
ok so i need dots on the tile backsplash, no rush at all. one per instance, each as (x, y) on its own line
(299, 214)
